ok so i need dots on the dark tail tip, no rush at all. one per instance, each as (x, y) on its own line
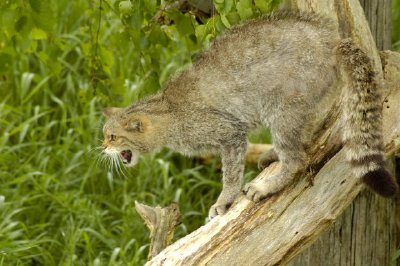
(381, 182)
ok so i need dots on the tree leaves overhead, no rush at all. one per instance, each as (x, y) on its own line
(42, 14)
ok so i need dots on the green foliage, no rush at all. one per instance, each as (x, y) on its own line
(232, 12)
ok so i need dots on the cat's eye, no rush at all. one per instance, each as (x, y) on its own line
(113, 137)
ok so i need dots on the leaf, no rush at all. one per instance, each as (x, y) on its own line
(38, 34)
(201, 30)
(244, 4)
(245, 13)
(223, 7)
(26, 81)
(21, 23)
(33, 47)
(8, 18)
(23, 39)
(107, 59)
(5, 62)
(86, 49)
(36, 5)
(157, 36)
(233, 18)
(219, 25)
(48, 58)
(225, 21)
(125, 7)
(150, 85)
(244, 8)
(219, 7)
(55, 66)
(228, 4)
(43, 15)
(183, 23)
(262, 5)
(24, 27)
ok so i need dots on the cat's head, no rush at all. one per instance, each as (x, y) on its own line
(125, 135)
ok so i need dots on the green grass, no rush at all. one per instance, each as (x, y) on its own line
(58, 205)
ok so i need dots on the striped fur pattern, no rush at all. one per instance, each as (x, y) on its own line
(363, 132)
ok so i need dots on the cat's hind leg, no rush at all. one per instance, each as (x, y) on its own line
(289, 149)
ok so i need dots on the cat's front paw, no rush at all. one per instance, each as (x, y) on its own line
(219, 208)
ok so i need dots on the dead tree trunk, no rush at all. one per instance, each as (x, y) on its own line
(274, 231)
(366, 233)
(379, 16)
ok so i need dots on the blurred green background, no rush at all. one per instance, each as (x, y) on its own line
(61, 63)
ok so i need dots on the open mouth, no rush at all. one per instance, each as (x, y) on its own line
(126, 156)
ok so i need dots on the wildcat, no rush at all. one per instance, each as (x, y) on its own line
(280, 71)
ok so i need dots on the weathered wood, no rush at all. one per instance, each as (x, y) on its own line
(277, 229)
(161, 222)
(378, 14)
(361, 236)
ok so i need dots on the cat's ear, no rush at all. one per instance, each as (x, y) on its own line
(138, 123)
(135, 125)
(110, 111)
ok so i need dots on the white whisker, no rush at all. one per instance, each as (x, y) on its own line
(112, 161)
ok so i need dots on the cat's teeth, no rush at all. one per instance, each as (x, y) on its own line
(126, 156)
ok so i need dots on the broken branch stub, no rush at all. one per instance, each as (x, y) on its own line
(161, 222)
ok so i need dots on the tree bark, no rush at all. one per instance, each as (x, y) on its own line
(274, 231)
(379, 16)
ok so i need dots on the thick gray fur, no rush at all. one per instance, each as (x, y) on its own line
(280, 71)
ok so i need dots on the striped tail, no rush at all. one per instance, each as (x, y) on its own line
(363, 130)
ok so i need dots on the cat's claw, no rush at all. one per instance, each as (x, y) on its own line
(253, 193)
(218, 209)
